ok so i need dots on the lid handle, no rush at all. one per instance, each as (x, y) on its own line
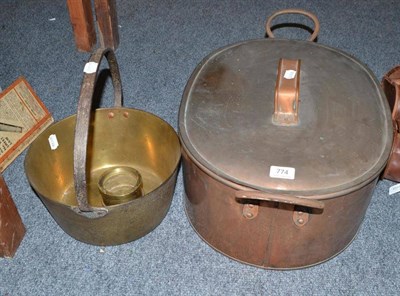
(287, 93)
(293, 11)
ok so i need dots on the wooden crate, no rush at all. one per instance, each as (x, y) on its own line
(82, 20)
(12, 230)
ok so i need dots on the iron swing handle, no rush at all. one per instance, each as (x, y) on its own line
(83, 117)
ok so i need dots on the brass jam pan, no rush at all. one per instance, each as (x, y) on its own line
(66, 175)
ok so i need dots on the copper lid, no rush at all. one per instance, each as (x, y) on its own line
(341, 135)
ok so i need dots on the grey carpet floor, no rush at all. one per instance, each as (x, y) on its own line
(161, 43)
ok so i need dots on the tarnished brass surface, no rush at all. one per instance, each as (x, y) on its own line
(116, 137)
(133, 138)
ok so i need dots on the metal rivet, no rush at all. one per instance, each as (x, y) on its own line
(299, 213)
(249, 215)
(111, 115)
(300, 221)
(126, 114)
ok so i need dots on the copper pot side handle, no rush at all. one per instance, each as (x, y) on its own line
(287, 199)
(312, 16)
(82, 126)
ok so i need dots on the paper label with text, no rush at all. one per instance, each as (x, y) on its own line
(23, 117)
(282, 172)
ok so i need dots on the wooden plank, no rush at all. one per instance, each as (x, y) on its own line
(81, 17)
(12, 230)
(106, 16)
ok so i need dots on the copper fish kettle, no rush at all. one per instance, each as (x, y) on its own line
(283, 143)
(66, 162)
